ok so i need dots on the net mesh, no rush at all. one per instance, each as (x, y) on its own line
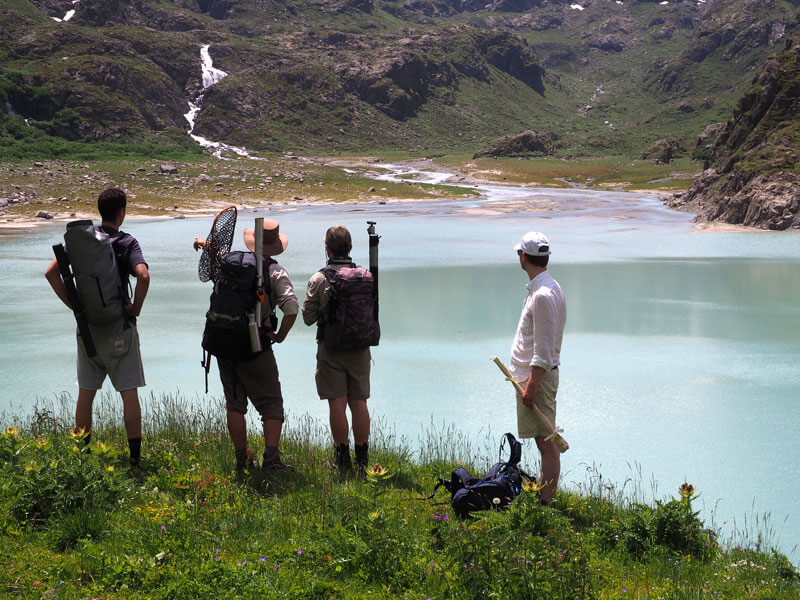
(218, 242)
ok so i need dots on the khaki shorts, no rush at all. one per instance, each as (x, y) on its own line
(256, 379)
(528, 425)
(118, 356)
(342, 373)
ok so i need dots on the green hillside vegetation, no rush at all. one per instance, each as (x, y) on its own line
(78, 525)
(359, 76)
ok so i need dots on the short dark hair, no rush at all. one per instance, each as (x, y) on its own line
(538, 261)
(109, 203)
(338, 240)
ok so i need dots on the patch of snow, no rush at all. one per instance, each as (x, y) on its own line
(69, 15)
(576, 6)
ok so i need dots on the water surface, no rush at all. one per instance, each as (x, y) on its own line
(680, 354)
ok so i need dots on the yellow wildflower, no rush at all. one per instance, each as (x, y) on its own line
(686, 490)
(531, 486)
(11, 432)
(78, 433)
(377, 470)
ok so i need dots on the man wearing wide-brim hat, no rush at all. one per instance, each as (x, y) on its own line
(257, 379)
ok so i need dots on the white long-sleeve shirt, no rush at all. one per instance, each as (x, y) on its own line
(537, 342)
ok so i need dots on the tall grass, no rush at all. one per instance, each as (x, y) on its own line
(77, 524)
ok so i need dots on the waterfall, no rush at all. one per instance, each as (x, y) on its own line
(210, 76)
(69, 14)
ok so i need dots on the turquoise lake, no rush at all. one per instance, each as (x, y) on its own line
(680, 356)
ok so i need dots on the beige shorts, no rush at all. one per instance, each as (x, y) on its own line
(342, 373)
(528, 425)
(117, 357)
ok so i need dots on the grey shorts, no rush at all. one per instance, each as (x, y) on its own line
(528, 425)
(118, 356)
(256, 379)
(342, 373)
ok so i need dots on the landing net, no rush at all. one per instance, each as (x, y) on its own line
(218, 242)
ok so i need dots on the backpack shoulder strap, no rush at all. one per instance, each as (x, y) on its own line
(515, 449)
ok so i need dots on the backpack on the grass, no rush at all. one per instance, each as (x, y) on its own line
(497, 489)
(349, 322)
(226, 334)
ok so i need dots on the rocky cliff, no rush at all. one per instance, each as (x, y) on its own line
(753, 162)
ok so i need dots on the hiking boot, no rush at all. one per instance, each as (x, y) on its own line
(245, 461)
(341, 454)
(362, 459)
(273, 463)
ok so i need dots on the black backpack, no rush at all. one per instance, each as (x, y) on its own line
(349, 322)
(496, 490)
(226, 334)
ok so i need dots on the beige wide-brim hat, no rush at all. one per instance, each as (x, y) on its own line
(274, 241)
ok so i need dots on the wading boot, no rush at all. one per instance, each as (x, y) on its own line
(362, 459)
(341, 454)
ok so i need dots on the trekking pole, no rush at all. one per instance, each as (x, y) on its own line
(374, 239)
(62, 258)
(255, 321)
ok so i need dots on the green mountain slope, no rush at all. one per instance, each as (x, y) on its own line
(421, 76)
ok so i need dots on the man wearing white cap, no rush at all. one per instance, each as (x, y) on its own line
(535, 354)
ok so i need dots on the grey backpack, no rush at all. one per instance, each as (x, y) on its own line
(96, 273)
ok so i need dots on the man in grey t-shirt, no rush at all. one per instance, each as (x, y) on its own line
(117, 344)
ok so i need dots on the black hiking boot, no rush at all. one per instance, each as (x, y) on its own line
(341, 454)
(362, 459)
(272, 463)
(245, 461)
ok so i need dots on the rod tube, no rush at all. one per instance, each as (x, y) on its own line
(74, 300)
(258, 250)
(374, 240)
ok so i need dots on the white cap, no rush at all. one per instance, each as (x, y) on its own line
(534, 244)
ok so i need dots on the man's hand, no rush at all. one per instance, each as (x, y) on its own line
(199, 243)
(130, 310)
(532, 389)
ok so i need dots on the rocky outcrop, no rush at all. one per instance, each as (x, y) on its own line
(729, 30)
(664, 150)
(399, 79)
(753, 159)
(527, 142)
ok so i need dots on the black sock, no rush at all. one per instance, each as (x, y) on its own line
(87, 439)
(271, 453)
(241, 456)
(135, 447)
(362, 454)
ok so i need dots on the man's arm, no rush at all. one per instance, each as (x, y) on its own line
(286, 324)
(53, 275)
(312, 303)
(142, 285)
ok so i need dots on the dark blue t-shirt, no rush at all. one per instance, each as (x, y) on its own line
(127, 250)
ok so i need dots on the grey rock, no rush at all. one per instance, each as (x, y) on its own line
(43, 214)
(168, 169)
(179, 216)
(3, 203)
